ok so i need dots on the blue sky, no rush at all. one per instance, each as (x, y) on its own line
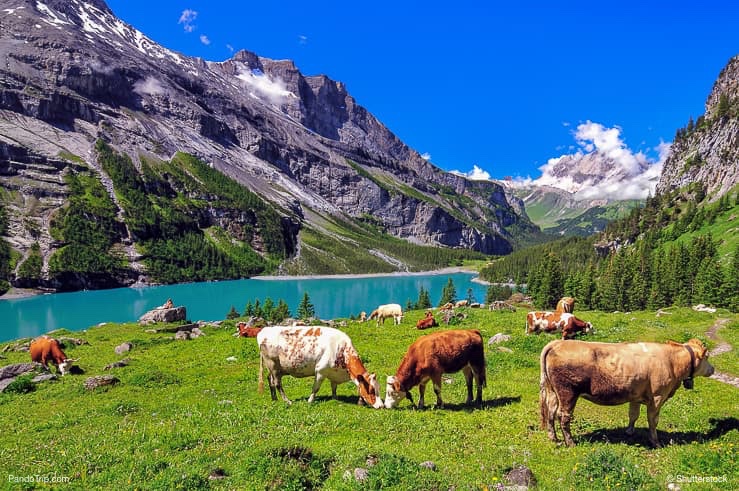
(503, 86)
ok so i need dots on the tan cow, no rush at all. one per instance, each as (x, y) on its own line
(612, 374)
(566, 305)
(433, 355)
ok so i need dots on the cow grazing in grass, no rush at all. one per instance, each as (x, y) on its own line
(322, 352)
(567, 324)
(612, 374)
(387, 311)
(427, 321)
(566, 305)
(45, 350)
(431, 356)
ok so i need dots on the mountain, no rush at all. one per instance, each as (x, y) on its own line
(706, 151)
(84, 94)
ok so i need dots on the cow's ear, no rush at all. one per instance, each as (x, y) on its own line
(372, 378)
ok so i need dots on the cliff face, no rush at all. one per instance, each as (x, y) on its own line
(707, 150)
(71, 74)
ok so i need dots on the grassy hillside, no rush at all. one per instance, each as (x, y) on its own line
(592, 220)
(182, 411)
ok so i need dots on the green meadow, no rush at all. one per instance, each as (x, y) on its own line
(185, 415)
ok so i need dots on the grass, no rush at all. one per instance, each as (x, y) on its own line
(183, 412)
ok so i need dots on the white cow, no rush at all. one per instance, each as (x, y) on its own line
(307, 351)
(386, 311)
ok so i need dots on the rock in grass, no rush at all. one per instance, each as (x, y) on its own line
(182, 336)
(499, 338)
(217, 474)
(117, 364)
(361, 474)
(123, 348)
(93, 383)
(520, 476)
(428, 465)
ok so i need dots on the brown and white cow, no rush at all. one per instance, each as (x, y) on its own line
(612, 374)
(567, 324)
(322, 352)
(45, 349)
(427, 321)
(431, 356)
(566, 305)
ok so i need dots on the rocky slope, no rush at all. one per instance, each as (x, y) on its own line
(707, 151)
(71, 74)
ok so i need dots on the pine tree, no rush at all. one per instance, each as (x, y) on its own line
(233, 313)
(731, 283)
(470, 296)
(306, 310)
(550, 286)
(448, 293)
(424, 299)
(258, 312)
(282, 312)
(268, 309)
(249, 309)
(408, 305)
(709, 282)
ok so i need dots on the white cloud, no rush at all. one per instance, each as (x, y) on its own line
(303, 39)
(230, 48)
(149, 86)
(187, 18)
(476, 174)
(611, 169)
(426, 156)
(204, 39)
(263, 87)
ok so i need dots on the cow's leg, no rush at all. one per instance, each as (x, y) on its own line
(552, 406)
(436, 380)
(421, 392)
(567, 402)
(272, 384)
(653, 419)
(333, 389)
(278, 379)
(467, 370)
(316, 387)
(634, 408)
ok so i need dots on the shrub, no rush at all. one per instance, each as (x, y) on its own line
(21, 385)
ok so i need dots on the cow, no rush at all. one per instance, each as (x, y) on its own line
(386, 311)
(447, 306)
(362, 316)
(427, 321)
(246, 331)
(462, 303)
(567, 324)
(45, 350)
(431, 356)
(323, 352)
(565, 305)
(612, 374)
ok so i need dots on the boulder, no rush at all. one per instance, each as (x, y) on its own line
(159, 314)
(93, 383)
(118, 364)
(520, 476)
(499, 338)
(123, 348)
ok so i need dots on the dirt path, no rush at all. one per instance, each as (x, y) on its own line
(722, 347)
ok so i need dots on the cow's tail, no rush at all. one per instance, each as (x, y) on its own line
(260, 386)
(545, 387)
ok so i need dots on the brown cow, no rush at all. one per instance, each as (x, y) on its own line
(612, 374)
(566, 305)
(431, 356)
(45, 349)
(567, 324)
(245, 331)
(427, 321)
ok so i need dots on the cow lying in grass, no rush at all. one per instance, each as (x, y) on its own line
(431, 356)
(567, 324)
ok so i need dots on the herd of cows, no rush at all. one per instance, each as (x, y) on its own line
(604, 373)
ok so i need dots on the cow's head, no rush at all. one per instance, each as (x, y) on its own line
(393, 393)
(369, 390)
(701, 367)
(588, 328)
(66, 365)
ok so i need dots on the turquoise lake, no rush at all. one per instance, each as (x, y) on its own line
(209, 301)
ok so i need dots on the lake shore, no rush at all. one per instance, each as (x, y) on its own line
(20, 293)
